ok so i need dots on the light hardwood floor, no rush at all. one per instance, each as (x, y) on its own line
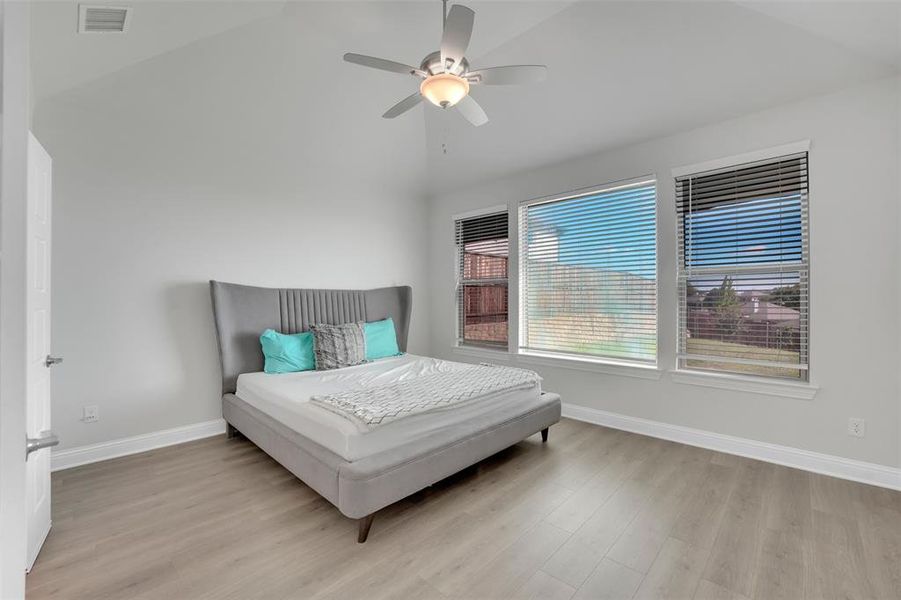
(595, 513)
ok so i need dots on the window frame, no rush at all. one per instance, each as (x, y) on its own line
(645, 369)
(766, 384)
(474, 348)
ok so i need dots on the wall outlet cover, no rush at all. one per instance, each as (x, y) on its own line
(857, 427)
(90, 414)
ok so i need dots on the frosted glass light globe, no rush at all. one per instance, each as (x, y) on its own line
(444, 90)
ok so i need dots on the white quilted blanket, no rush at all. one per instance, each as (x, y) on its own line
(379, 405)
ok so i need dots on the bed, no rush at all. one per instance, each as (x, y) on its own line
(358, 471)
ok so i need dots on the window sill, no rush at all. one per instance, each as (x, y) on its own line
(552, 360)
(592, 365)
(785, 389)
(480, 352)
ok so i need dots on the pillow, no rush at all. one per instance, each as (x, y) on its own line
(284, 353)
(381, 339)
(338, 346)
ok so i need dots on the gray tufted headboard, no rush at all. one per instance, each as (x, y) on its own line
(243, 312)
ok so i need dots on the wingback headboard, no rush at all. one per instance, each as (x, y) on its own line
(243, 312)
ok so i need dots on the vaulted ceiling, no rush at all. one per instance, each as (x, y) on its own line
(624, 72)
(269, 75)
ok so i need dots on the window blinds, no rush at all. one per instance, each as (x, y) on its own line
(588, 274)
(743, 268)
(481, 290)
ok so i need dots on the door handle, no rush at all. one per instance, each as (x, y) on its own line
(45, 440)
(52, 360)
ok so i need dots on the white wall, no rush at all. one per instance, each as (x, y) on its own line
(164, 180)
(854, 222)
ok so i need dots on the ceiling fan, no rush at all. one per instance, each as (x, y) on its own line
(446, 75)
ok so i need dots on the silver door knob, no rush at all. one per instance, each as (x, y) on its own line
(52, 360)
(45, 440)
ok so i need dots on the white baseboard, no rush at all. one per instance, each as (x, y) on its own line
(83, 455)
(826, 464)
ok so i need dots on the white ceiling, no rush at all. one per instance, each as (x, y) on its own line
(869, 27)
(620, 72)
(624, 72)
(62, 58)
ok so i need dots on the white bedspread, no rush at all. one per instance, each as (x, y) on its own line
(377, 405)
(286, 398)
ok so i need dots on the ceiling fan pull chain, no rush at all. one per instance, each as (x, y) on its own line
(443, 15)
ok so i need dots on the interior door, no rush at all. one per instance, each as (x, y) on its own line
(37, 411)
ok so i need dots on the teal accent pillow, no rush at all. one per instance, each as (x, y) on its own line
(381, 339)
(287, 353)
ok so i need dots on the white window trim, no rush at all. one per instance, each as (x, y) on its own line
(480, 212)
(806, 390)
(740, 383)
(600, 187)
(482, 352)
(740, 159)
(596, 364)
(587, 364)
(486, 351)
(709, 379)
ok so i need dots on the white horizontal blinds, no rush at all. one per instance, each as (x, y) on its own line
(743, 268)
(483, 251)
(588, 279)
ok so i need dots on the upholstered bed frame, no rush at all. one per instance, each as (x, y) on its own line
(359, 488)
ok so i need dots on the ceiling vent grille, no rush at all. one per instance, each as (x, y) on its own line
(102, 19)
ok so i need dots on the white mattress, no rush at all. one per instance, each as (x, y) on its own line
(285, 397)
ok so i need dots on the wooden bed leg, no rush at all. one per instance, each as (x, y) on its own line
(364, 524)
(544, 433)
(230, 431)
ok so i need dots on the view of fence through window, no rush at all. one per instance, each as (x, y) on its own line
(747, 318)
(482, 300)
(589, 274)
(743, 277)
(485, 304)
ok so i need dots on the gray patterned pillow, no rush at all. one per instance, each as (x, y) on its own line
(338, 346)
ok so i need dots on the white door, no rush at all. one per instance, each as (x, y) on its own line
(37, 411)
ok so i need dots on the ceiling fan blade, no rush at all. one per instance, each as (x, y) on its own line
(471, 111)
(381, 63)
(457, 32)
(509, 75)
(403, 106)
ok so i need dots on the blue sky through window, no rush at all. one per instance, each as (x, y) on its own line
(614, 230)
(764, 231)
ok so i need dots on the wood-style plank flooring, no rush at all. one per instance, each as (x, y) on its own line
(595, 513)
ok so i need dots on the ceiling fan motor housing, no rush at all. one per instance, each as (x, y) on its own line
(432, 65)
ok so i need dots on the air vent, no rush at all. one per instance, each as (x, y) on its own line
(102, 19)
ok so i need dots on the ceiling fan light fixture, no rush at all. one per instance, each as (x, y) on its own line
(446, 74)
(444, 90)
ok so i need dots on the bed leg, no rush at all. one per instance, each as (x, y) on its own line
(230, 431)
(364, 524)
(544, 433)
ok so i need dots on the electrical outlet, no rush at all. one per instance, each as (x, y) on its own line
(90, 414)
(857, 427)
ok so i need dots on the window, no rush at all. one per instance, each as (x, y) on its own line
(483, 251)
(588, 274)
(743, 268)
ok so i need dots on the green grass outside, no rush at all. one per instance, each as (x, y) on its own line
(702, 346)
